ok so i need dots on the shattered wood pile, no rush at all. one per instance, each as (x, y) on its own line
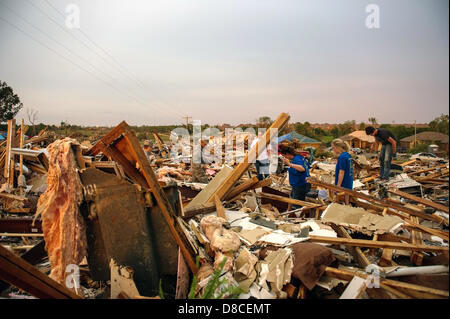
(131, 222)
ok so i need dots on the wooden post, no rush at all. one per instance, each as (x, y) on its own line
(21, 156)
(9, 165)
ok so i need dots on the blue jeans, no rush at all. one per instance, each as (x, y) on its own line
(300, 193)
(385, 160)
(262, 169)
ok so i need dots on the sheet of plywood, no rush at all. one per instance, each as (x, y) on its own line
(211, 188)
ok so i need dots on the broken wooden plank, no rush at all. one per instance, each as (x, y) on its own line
(242, 187)
(355, 251)
(21, 274)
(21, 234)
(410, 289)
(288, 200)
(416, 239)
(420, 200)
(375, 244)
(355, 288)
(219, 208)
(198, 210)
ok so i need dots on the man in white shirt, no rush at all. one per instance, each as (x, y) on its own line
(262, 163)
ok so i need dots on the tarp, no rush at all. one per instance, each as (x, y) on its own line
(299, 137)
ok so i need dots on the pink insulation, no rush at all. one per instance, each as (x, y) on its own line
(63, 226)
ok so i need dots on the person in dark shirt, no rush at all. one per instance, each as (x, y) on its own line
(344, 166)
(388, 148)
(298, 172)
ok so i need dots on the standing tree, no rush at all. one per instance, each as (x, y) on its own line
(440, 124)
(10, 103)
(32, 117)
(373, 120)
(264, 121)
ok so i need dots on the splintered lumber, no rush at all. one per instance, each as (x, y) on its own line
(219, 208)
(242, 187)
(381, 202)
(10, 143)
(375, 244)
(288, 200)
(254, 152)
(354, 289)
(408, 163)
(355, 251)
(122, 145)
(416, 239)
(200, 209)
(21, 274)
(426, 170)
(415, 291)
(420, 200)
(21, 235)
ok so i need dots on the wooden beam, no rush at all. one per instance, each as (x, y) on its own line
(355, 288)
(420, 200)
(417, 239)
(21, 234)
(426, 170)
(10, 143)
(242, 187)
(254, 152)
(219, 208)
(198, 210)
(288, 200)
(409, 289)
(375, 244)
(355, 251)
(21, 274)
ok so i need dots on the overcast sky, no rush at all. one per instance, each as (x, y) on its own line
(225, 61)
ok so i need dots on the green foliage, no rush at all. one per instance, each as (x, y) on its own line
(418, 148)
(215, 283)
(10, 103)
(440, 124)
(323, 154)
(264, 121)
(161, 293)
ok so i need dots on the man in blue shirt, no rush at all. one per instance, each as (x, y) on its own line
(298, 172)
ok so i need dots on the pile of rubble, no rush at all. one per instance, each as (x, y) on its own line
(147, 229)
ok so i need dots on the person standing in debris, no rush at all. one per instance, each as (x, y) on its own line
(148, 150)
(298, 172)
(262, 163)
(344, 166)
(388, 148)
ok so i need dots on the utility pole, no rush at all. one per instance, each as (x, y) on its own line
(187, 121)
(415, 133)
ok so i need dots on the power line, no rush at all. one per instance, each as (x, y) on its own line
(59, 43)
(129, 75)
(168, 110)
(68, 60)
(122, 69)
